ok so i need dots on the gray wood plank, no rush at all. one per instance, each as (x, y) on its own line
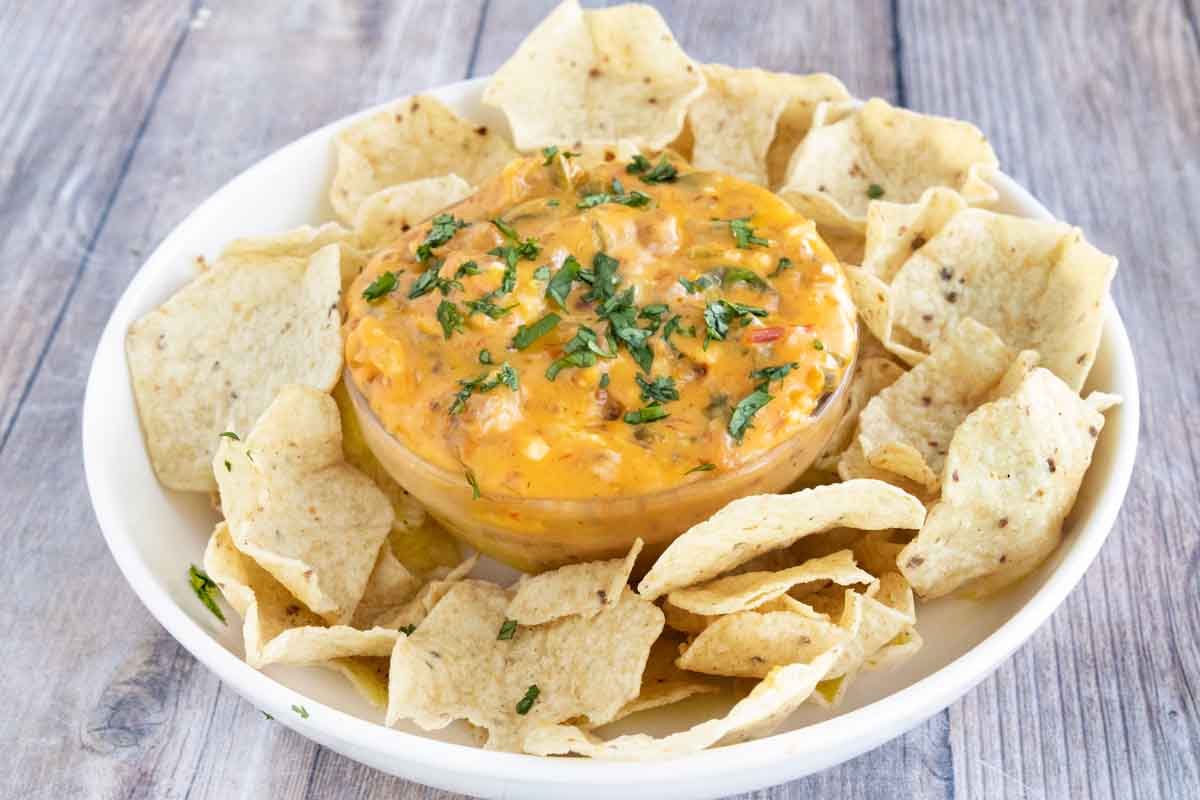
(130, 714)
(1094, 108)
(67, 138)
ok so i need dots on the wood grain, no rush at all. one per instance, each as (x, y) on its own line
(119, 119)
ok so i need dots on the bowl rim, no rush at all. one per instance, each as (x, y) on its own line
(807, 749)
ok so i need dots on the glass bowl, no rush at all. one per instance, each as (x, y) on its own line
(534, 534)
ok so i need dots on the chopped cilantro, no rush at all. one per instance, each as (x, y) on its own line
(228, 466)
(659, 390)
(552, 203)
(205, 587)
(818, 344)
(651, 413)
(474, 484)
(604, 381)
(526, 702)
(552, 151)
(450, 318)
(382, 285)
(743, 234)
(617, 195)
(734, 275)
(719, 313)
(527, 334)
(231, 435)
(621, 314)
(664, 172)
(301, 710)
(431, 279)
(744, 411)
(785, 263)
(604, 278)
(484, 305)
(507, 629)
(267, 716)
(580, 351)
(441, 231)
(542, 273)
(706, 281)
(705, 467)
(506, 376)
(466, 268)
(674, 324)
(654, 310)
(408, 630)
(769, 374)
(485, 356)
(874, 191)
(560, 285)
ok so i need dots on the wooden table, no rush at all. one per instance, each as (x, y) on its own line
(119, 117)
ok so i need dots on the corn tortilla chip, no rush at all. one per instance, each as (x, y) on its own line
(276, 628)
(583, 589)
(853, 465)
(454, 666)
(749, 644)
(391, 212)
(596, 76)
(906, 428)
(754, 525)
(367, 674)
(416, 138)
(297, 246)
(750, 590)
(298, 509)
(806, 94)
(213, 357)
(882, 152)
(1039, 285)
(771, 702)
(665, 684)
(1014, 468)
(871, 376)
(739, 118)
(390, 586)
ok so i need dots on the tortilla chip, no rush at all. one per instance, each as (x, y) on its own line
(213, 357)
(368, 675)
(454, 666)
(904, 646)
(665, 684)
(896, 230)
(276, 627)
(806, 94)
(390, 213)
(582, 589)
(749, 644)
(412, 613)
(390, 586)
(877, 552)
(298, 509)
(848, 246)
(735, 121)
(1039, 285)
(879, 151)
(749, 590)
(853, 465)
(871, 376)
(906, 428)
(596, 76)
(415, 138)
(685, 621)
(750, 526)
(1014, 467)
(297, 246)
(417, 540)
(869, 621)
(770, 703)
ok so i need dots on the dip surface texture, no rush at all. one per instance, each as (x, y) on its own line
(601, 332)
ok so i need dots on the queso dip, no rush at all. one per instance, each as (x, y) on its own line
(609, 331)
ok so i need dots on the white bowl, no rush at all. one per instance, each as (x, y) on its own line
(154, 534)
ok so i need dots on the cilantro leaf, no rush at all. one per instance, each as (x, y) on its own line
(441, 231)
(484, 305)
(542, 273)
(474, 484)
(659, 390)
(580, 351)
(560, 284)
(733, 275)
(706, 281)
(874, 191)
(617, 195)
(604, 277)
(508, 629)
(231, 435)
(526, 702)
(205, 587)
(408, 630)
(651, 413)
(301, 710)
(450, 318)
(664, 172)
(384, 284)
(705, 467)
(527, 334)
(485, 356)
(431, 279)
(785, 263)
(466, 268)
(719, 313)
(743, 234)
(505, 376)
(744, 411)
(769, 374)
(552, 151)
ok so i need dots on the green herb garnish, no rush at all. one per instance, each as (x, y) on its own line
(743, 234)
(719, 313)
(466, 268)
(580, 351)
(506, 376)
(734, 275)
(507, 629)
(205, 587)
(818, 344)
(603, 277)
(617, 195)
(769, 374)
(230, 435)
(673, 325)
(527, 334)
(659, 390)
(705, 467)
(431, 279)
(552, 151)
(874, 191)
(651, 413)
(542, 273)
(485, 356)
(744, 411)
(785, 263)
(384, 284)
(604, 381)
(664, 172)
(441, 231)
(301, 710)
(450, 318)
(706, 281)
(560, 285)
(228, 466)
(474, 484)
(526, 702)
(552, 203)
(408, 630)
(484, 305)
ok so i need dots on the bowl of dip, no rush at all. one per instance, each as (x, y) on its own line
(590, 350)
